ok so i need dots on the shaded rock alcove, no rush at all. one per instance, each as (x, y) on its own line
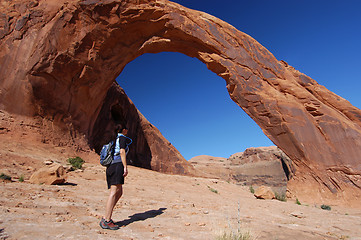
(59, 59)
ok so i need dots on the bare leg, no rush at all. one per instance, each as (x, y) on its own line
(119, 194)
(116, 192)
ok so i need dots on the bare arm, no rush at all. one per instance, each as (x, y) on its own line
(124, 161)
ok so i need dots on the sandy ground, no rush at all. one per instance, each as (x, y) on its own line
(160, 206)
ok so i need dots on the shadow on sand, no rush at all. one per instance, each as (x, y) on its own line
(67, 184)
(141, 216)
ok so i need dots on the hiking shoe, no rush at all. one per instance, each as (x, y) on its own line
(108, 225)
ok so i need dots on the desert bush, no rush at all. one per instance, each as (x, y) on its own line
(212, 189)
(325, 207)
(21, 178)
(298, 202)
(281, 197)
(76, 163)
(251, 189)
(5, 177)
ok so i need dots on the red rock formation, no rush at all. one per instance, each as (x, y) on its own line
(254, 167)
(262, 166)
(212, 167)
(149, 148)
(59, 58)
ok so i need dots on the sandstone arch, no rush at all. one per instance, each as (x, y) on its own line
(57, 54)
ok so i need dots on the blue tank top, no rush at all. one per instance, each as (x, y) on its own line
(122, 142)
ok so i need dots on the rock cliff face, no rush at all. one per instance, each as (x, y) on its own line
(262, 166)
(149, 148)
(254, 167)
(59, 59)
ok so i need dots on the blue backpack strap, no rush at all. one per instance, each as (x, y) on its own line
(115, 145)
(130, 142)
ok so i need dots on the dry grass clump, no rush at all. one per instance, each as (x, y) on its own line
(238, 235)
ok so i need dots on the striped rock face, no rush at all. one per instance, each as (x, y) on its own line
(59, 59)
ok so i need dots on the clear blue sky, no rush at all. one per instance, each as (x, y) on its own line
(190, 105)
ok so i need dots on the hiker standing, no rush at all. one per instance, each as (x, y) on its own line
(115, 174)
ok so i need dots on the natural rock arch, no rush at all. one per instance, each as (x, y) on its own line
(60, 59)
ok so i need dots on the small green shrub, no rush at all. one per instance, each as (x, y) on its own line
(76, 163)
(251, 189)
(212, 189)
(298, 202)
(325, 207)
(21, 178)
(281, 197)
(5, 177)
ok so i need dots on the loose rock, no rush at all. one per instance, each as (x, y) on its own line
(54, 174)
(264, 192)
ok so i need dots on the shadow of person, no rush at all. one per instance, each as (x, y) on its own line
(141, 216)
(67, 184)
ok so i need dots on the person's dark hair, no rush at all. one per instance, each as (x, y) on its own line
(119, 129)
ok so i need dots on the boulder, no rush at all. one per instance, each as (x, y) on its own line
(264, 192)
(50, 175)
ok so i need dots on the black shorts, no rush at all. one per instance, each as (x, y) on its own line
(115, 174)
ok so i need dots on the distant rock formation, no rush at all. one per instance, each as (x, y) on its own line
(58, 60)
(254, 167)
(262, 166)
(212, 167)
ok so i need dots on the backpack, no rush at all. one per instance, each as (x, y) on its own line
(106, 154)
